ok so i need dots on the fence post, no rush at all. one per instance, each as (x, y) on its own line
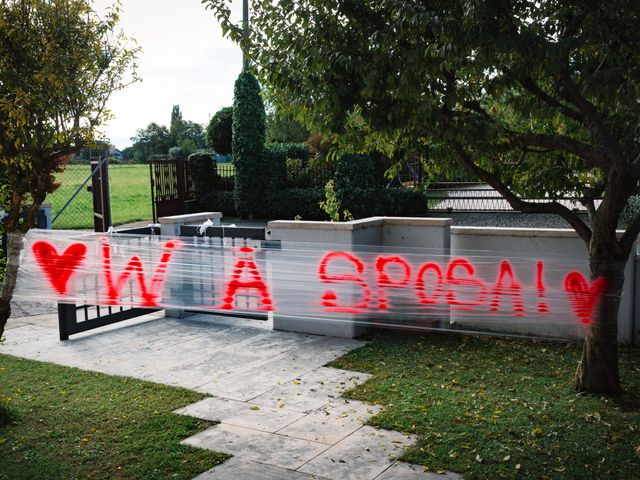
(66, 316)
(101, 198)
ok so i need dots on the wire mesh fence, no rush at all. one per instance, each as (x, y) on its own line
(69, 211)
(130, 195)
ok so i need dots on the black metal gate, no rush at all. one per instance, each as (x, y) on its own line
(170, 186)
(71, 322)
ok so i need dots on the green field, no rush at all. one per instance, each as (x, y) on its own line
(130, 196)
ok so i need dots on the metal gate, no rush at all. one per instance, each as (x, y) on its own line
(71, 322)
(76, 211)
(170, 186)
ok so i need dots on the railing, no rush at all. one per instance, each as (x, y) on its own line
(477, 197)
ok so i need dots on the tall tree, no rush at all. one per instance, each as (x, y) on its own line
(533, 98)
(219, 131)
(59, 63)
(154, 139)
(177, 125)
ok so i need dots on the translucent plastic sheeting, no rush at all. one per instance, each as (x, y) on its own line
(417, 288)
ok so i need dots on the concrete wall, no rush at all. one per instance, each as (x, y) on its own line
(397, 234)
(171, 226)
(563, 250)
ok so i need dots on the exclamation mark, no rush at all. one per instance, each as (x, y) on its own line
(542, 305)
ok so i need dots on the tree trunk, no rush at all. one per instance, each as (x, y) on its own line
(15, 242)
(598, 369)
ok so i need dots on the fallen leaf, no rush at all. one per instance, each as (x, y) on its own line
(254, 407)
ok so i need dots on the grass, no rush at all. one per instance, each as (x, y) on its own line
(130, 188)
(69, 423)
(494, 408)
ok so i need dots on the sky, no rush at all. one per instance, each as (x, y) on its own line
(184, 61)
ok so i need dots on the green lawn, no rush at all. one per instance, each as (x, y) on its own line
(493, 408)
(69, 423)
(130, 196)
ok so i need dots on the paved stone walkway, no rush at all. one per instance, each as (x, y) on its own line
(280, 410)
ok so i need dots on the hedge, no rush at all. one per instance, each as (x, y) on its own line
(299, 151)
(274, 162)
(354, 171)
(251, 185)
(393, 202)
(221, 201)
(204, 175)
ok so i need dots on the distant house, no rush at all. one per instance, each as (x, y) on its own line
(116, 154)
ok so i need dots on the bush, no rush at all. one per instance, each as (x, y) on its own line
(312, 173)
(274, 162)
(251, 185)
(219, 131)
(631, 210)
(204, 174)
(291, 202)
(298, 151)
(354, 172)
(176, 153)
(394, 202)
(221, 201)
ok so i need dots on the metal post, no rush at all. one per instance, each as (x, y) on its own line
(245, 24)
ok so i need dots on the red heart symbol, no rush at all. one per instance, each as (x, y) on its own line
(583, 296)
(59, 268)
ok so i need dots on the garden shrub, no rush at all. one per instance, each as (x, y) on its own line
(393, 202)
(275, 164)
(298, 151)
(631, 210)
(306, 174)
(220, 201)
(354, 172)
(251, 185)
(204, 174)
(291, 202)
(176, 153)
(219, 131)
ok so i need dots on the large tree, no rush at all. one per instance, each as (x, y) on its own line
(533, 98)
(59, 63)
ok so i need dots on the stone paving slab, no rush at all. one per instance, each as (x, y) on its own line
(238, 469)
(332, 422)
(409, 471)
(242, 414)
(363, 455)
(249, 444)
(312, 390)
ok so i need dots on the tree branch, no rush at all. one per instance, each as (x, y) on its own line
(593, 120)
(592, 157)
(530, 85)
(517, 203)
